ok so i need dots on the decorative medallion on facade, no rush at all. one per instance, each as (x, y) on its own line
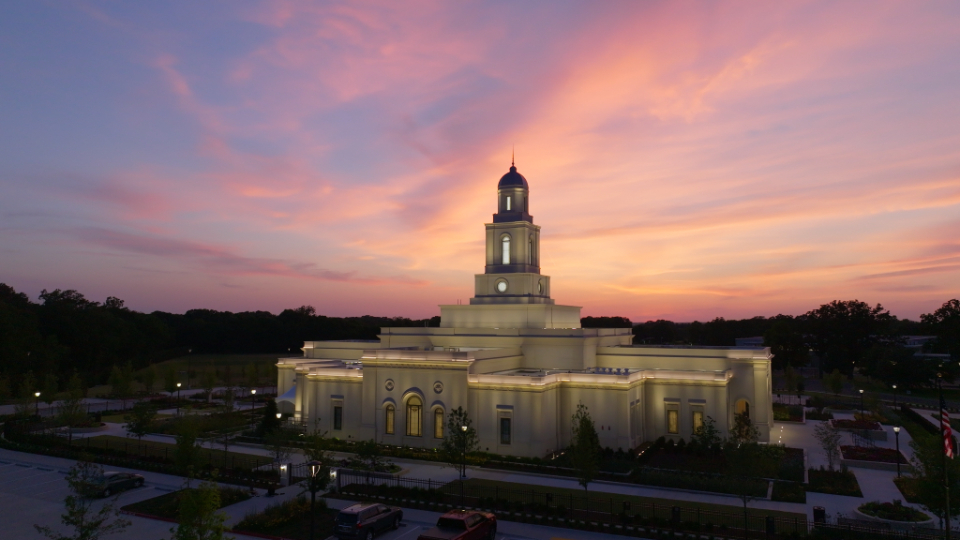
(438, 387)
(388, 385)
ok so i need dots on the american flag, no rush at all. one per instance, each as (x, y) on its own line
(945, 429)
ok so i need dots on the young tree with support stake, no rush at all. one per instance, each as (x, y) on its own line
(85, 522)
(458, 442)
(585, 448)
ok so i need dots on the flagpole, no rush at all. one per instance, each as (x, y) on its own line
(945, 441)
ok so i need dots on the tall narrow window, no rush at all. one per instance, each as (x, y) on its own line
(337, 418)
(508, 203)
(505, 248)
(697, 420)
(530, 253)
(414, 417)
(389, 414)
(505, 429)
(673, 421)
(438, 424)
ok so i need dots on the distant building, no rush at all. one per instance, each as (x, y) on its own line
(519, 364)
(917, 342)
(755, 341)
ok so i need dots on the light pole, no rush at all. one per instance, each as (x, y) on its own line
(178, 399)
(463, 453)
(315, 468)
(896, 431)
(894, 397)
(37, 395)
(253, 398)
(861, 402)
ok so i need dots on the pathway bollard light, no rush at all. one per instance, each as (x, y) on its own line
(896, 431)
(37, 395)
(178, 399)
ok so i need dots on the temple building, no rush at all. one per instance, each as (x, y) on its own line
(519, 364)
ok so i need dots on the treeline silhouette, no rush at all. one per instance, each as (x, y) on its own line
(65, 333)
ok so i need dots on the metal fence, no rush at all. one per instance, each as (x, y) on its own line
(596, 507)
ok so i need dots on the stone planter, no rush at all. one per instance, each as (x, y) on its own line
(875, 465)
(872, 434)
(897, 525)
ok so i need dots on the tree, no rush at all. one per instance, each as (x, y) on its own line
(842, 331)
(945, 324)
(269, 423)
(148, 378)
(317, 448)
(458, 442)
(585, 448)
(229, 399)
(208, 381)
(276, 444)
(224, 438)
(198, 515)
(834, 382)
(81, 517)
(927, 464)
(829, 437)
(747, 462)
(369, 452)
(743, 432)
(140, 419)
(170, 380)
(787, 343)
(70, 412)
(708, 436)
(186, 453)
(121, 381)
(51, 387)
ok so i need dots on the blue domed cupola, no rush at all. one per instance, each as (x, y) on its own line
(513, 195)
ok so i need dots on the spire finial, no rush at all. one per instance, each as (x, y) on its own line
(513, 154)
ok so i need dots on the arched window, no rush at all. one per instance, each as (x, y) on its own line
(414, 417)
(389, 414)
(743, 407)
(505, 248)
(530, 252)
(508, 203)
(438, 423)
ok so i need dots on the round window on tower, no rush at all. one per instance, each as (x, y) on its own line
(501, 286)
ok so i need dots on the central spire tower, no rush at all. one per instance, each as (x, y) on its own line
(512, 271)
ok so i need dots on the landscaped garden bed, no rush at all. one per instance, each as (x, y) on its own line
(787, 413)
(290, 519)
(857, 424)
(794, 492)
(819, 414)
(908, 488)
(167, 505)
(872, 453)
(894, 511)
(833, 482)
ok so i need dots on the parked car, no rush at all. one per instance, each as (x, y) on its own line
(114, 482)
(463, 525)
(367, 520)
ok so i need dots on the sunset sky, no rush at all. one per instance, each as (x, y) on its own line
(687, 160)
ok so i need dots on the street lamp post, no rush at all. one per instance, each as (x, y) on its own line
(37, 395)
(315, 468)
(896, 431)
(253, 398)
(178, 399)
(894, 397)
(463, 462)
(861, 402)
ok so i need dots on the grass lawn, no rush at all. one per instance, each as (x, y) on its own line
(166, 505)
(908, 488)
(165, 450)
(561, 493)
